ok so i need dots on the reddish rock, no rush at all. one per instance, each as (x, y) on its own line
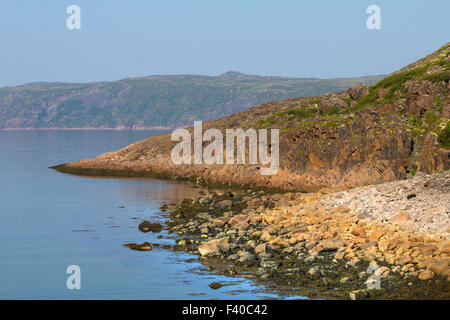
(237, 219)
(426, 274)
(357, 92)
(261, 248)
(331, 244)
(440, 267)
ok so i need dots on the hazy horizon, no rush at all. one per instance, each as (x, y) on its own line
(119, 40)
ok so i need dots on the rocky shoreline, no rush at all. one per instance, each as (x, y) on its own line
(371, 225)
(298, 242)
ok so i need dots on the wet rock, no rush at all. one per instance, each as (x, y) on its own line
(358, 295)
(233, 257)
(265, 255)
(344, 280)
(215, 285)
(269, 264)
(312, 271)
(225, 204)
(245, 256)
(146, 226)
(139, 247)
(309, 259)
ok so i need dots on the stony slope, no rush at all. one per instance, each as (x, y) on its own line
(155, 101)
(362, 136)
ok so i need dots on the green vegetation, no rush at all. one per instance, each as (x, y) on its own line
(314, 101)
(263, 123)
(413, 170)
(395, 84)
(431, 118)
(414, 120)
(300, 113)
(334, 110)
(365, 101)
(438, 77)
(444, 136)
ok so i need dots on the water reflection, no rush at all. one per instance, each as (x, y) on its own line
(50, 220)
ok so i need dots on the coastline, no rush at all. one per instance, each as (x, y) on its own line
(318, 243)
(304, 243)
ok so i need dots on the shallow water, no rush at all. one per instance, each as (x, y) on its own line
(50, 220)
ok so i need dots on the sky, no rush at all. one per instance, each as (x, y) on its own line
(294, 38)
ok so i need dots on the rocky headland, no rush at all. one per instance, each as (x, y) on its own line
(358, 209)
(362, 136)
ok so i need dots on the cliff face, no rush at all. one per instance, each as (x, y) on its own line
(365, 135)
(155, 101)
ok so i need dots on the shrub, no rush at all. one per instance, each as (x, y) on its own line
(299, 113)
(438, 77)
(333, 110)
(444, 136)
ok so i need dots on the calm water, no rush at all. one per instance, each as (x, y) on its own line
(50, 220)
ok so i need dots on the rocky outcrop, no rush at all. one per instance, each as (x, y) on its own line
(367, 135)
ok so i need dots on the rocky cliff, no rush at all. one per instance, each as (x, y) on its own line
(365, 135)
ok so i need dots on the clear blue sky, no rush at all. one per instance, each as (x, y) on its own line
(298, 38)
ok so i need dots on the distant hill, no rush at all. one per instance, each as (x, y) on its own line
(154, 101)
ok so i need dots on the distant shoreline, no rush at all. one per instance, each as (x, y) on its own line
(85, 129)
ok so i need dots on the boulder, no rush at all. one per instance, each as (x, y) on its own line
(214, 247)
(426, 274)
(359, 91)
